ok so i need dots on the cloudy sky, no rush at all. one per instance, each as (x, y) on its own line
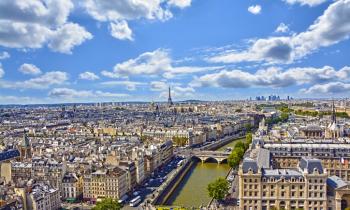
(130, 50)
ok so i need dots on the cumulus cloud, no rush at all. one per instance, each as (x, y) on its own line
(329, 88)
(88, 76)
(120, 30)
(33, 24)
(159, 86)
(310, 3)
(254, 9)
(28, 68)
(276, 49)
(41, 82)
(66, 37)
(282, 28)
(4, 55)
(177, 90)
(154, 63)
(118, 12)
(72, 93)
(330, 28)
(130, 85)
(180, 3)
(2, 72)
(272, 77)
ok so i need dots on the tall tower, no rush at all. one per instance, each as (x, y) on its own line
(170, 101)
(25, 148)
(334, 115)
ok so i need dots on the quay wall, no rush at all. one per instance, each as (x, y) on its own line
(165, 194)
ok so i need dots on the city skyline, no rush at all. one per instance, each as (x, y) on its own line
(93, 51)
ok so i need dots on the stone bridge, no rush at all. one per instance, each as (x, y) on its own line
(205, 155)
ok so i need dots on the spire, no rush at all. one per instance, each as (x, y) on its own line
(334, 116)
(170, 101)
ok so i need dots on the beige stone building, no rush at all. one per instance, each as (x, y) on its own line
(261, 187)
(107, 183)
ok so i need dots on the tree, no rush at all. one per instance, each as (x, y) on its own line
(248, 127)
(218, 189)
(240, 149)
(234, 158)
(248, 139)
(180, 141)
(107, 204)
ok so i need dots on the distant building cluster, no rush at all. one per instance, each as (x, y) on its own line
(57, 156)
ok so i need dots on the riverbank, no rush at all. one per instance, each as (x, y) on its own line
(191, 190)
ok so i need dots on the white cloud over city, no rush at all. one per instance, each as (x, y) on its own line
(330, 28)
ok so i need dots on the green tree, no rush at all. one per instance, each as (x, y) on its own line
(218, 189)
(234, 158)
(239, 144)
(240, 149)
(180, 141)
(107, 204)
(248, 127)
(248, 140)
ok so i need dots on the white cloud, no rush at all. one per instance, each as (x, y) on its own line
(272, 77)
(4, 55)
(118, 12)
(27, 68)
(68, 93)
(66, 37)
(41, 82)
(153, 63)
(130, 85)
(2, 72)
(255, 9)
(88, 76)
(330, 28)
(276, 49)
(180, 3)
(114, 10)
(33, 24)
(159, 86)
(177, 91)
(120, 30)
(329, 88)
(310, 3)
(282, 28)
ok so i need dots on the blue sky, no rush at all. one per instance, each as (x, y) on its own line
(121, 50)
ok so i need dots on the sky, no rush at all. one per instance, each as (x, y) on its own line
(58, 51)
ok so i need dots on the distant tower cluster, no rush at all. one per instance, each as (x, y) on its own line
(170, 101)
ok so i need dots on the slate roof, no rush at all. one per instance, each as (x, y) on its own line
(310, 164)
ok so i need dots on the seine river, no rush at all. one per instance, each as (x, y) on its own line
(192, 192)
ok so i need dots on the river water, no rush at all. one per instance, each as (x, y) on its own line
(192, 192)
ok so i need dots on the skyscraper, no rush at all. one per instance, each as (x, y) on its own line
(170, 101)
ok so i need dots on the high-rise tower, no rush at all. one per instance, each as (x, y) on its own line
(170, 101)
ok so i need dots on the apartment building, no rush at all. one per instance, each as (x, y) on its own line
(264, 187)
(105, 183)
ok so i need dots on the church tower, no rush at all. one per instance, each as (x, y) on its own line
(25, 148)
(334, 115)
